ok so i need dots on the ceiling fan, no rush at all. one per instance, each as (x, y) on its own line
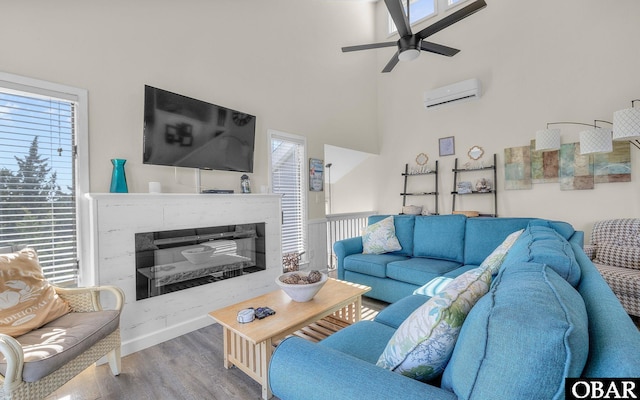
(410, 44)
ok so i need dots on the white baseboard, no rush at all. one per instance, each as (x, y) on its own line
(152, 339)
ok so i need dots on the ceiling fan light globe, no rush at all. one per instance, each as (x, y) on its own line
(409, 55)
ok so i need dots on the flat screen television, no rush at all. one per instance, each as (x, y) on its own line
(184, 132)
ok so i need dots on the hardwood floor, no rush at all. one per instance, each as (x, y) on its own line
(185, 368)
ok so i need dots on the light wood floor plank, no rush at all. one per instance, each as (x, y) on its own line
(189, 367)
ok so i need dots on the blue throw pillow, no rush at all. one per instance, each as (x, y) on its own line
(522, 339)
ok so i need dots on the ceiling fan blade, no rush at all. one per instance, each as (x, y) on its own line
(392, 63)
(438, 49)
(452, 19)
(399, 17)
(369, 46)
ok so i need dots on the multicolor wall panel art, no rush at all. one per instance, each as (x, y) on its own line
(576, 170)
(545, 165)
(614, 166)
(517, 168)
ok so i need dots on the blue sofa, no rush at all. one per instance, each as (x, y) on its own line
(548, 315)
(432, 246)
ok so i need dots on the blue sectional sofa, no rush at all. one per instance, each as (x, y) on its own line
(432, 246)
(547, 315)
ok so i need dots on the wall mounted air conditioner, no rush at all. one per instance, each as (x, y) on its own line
(451, 94)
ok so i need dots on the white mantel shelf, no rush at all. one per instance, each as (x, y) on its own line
(109, 256)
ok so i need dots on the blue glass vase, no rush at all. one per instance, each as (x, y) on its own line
(118, 178)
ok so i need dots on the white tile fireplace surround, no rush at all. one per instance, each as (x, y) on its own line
(109, 257)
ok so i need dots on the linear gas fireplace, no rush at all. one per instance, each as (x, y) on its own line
(168, 261)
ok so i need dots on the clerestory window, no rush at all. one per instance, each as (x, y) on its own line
(421, 10)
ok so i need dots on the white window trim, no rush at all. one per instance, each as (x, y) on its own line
(272, 133)
(80, 96)
(445, 5)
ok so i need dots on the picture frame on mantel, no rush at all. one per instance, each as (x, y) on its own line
(447, 146)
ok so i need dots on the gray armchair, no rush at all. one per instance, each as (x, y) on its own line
(615, 251)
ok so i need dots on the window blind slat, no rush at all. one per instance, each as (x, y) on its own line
(37, 188)
(287, 166)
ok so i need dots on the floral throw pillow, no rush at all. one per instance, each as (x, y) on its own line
(27, 300)
(422, 345)
(495, 259)
(380, 237)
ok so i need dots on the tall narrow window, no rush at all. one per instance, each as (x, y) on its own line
(38, 177)
(288, 155)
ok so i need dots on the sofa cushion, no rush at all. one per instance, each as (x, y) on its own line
(394, 314)
(27, 300)
(419, 270)
(542, 244)
(404, 231)
(423, 343)
(371, 264)
(350, 340)
(48, 348)
(440, 236)
(522, 339)
(564, 229)
(482, 235)
(380, 237)
(627, 256)
(496, 258)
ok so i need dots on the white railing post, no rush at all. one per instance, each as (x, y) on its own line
(344, 226)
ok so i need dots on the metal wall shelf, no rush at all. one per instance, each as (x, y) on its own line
(493, 192)
(406, 175)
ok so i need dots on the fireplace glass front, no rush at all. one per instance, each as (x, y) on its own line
(167, 261)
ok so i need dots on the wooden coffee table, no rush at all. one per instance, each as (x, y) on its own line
(249, 346)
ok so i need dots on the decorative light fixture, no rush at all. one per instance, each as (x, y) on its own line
(626, 125)
(596, 139)
(548, 139)
(593, 140)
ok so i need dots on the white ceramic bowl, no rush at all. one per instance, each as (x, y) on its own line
(301, 292)
(198, 255)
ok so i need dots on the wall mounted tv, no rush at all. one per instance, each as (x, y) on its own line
(184, 132)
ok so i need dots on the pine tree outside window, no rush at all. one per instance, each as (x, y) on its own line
(39, 179)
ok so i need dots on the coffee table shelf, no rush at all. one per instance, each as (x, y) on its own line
(249, 346)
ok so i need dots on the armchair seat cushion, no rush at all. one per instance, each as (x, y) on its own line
(53, 345)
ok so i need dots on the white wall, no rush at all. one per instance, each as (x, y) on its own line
(574, 60)
(279, 60)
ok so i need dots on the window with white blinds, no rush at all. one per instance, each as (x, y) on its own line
(38, 179)
(288, 177)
